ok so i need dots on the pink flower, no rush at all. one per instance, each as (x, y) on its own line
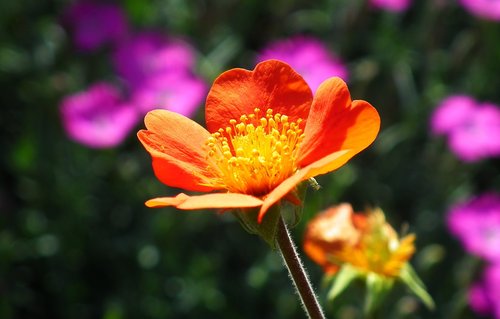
(484, 294)
(451, 113)
(478, 299)
(308, 56)
(470, 127)
(95, 24)
(486, 9)
(476, 223)
(175, 91)
(97, 117)
(479, 137)
(145, 55)
(391, 5)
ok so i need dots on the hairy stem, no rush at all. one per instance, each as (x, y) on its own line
(298, 273)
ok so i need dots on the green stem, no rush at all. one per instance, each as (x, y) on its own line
(297, 272)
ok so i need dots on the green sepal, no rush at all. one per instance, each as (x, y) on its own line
(267, 229)
(293, 213)
(410, 278)
(342, 279)
(377, 288)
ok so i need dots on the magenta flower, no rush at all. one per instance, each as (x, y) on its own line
(476, 223)
(484, 294)
(479, 137)
(485, 9)
(98, 117)
(391, 5)
(308, 56)
(95, 24)
(148, 54)
(451, 113)
(179, 92)
(470, 127)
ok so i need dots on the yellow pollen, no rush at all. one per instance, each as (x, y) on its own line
(379, 251)
(254, 155)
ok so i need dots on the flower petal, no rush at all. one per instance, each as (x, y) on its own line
(272, 84)
(177, 146)
(327, 163)
(213, 200)
(328, 232)
(335, 123)
(167, 201)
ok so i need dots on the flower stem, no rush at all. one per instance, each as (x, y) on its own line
(297, 272)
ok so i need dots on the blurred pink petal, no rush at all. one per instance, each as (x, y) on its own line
(484, 295)
(308, 56)
(479, 136)
(478, 299)
(486, 9)
(451, 113)
(476, 223)
(97, 117)
(95, 24)
(391, 5)
(148, 54)
(472, 129)
(178, 92)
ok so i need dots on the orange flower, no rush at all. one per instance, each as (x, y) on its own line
(265, 135)
(366, 241)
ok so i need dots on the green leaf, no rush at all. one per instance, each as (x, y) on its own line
(413, 282)
(377, 289)
(267, 229)
(342, 280)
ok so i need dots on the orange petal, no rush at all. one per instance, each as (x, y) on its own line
(318, 253)
(328, 233)
(334, 225)
(333, 160)
(167, 201)
(335, 123)
(329, 163)
(272, 84)
(213, 200)
(177, 147)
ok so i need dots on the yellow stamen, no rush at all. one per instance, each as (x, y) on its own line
(254, 155)
(379, 251)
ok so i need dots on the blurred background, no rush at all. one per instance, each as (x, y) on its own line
(76, 79)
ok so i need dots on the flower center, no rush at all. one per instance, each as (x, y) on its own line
(256, 154)
(379, 250)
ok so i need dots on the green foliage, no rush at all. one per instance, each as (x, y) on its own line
(377, 289)
(342, 280)
(413, 282)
